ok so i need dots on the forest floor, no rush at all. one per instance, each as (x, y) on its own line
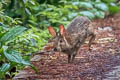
(102, 63)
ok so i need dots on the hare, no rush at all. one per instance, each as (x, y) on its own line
(69, 40)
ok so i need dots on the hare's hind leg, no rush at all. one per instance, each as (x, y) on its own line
(92, 38)
(73, 55)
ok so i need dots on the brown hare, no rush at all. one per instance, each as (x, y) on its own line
(69, 40)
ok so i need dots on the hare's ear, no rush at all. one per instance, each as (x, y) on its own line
(52, 31)
(62, 30)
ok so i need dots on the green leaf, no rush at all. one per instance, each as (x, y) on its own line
(5, 67)
(1, 28)
(32, 2)
(113, 8)
(24, 1)
(14, 56)
(108, 1)
(88, 14)
(102, 6)
(27, 11)
(25, 63)
(99, 14)
(75, 3)
(35, 69)
(12, 33)
(85, 4)
(72, 15)
(33, 41)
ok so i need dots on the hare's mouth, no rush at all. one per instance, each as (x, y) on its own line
(55, 49)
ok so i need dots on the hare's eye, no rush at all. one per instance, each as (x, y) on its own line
(61, 41)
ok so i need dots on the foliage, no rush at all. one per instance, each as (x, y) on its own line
(10, 58)
(32, 36)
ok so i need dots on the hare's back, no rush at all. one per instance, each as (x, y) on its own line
(78, 24)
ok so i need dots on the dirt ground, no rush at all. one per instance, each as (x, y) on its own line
(95, 65)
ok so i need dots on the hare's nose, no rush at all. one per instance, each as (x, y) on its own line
(55, 49)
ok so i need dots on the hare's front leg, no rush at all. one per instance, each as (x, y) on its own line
(92, 38)
(69, 57)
